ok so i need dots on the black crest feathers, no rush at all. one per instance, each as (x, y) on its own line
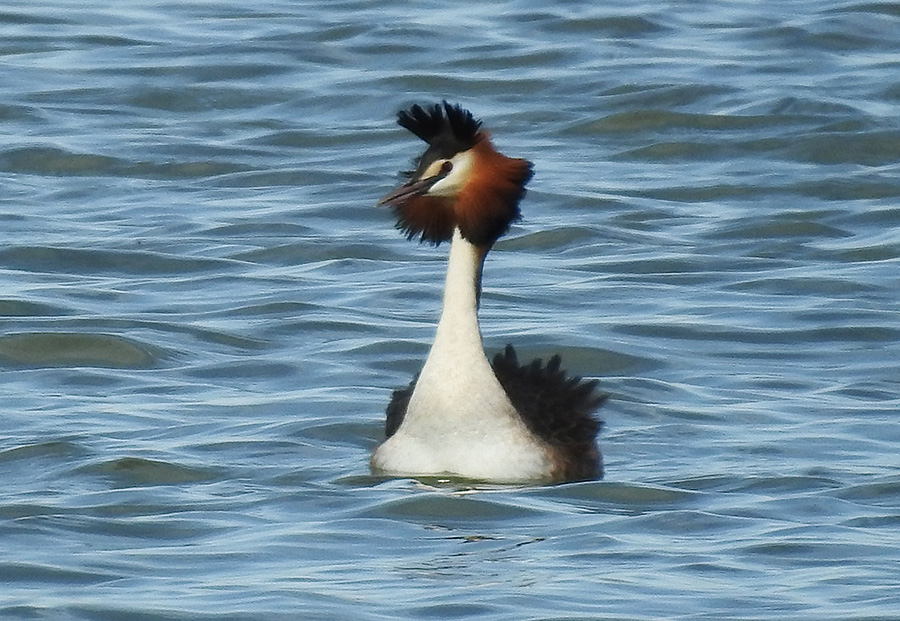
(445, 127)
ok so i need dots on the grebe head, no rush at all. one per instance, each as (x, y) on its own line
(460, 181)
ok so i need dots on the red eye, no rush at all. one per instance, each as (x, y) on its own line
(446, 167)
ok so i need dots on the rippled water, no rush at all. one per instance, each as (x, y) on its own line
(203, 315)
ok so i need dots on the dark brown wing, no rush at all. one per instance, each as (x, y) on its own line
(396, 409)
(556, 408)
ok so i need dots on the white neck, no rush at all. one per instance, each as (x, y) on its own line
(459, 316)
(456, 367)
(459, 418)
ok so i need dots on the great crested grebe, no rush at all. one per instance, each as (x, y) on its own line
(463, 416)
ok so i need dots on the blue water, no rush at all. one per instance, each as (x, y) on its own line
(202, 315)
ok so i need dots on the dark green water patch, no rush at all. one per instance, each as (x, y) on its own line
(66, 349)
